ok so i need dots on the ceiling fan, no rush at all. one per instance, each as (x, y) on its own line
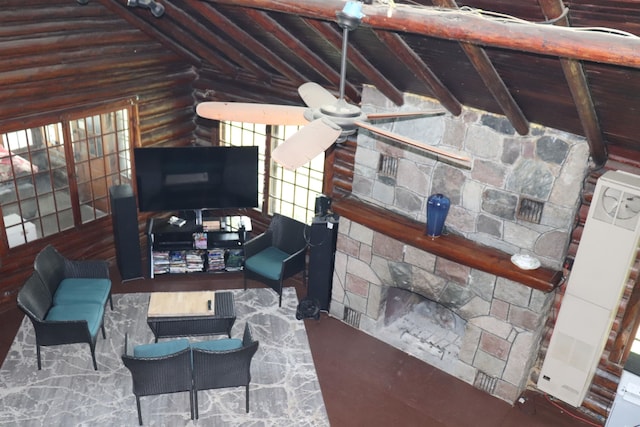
(326, 119)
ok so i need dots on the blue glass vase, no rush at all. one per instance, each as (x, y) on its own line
(437, 210)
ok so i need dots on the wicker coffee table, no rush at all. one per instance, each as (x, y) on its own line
(179, 314)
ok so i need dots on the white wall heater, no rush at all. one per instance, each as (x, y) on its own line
(606, 253)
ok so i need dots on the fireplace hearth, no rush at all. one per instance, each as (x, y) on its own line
(480, 327)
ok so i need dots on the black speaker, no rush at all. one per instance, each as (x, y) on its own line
(124, 217)
(323, 205)
(322, 249)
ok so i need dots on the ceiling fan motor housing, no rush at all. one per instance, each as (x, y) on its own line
(340, 113)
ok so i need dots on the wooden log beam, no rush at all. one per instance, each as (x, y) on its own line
(492, 80)
(579, 88)
(245, 39)
(359, 61)
(461, 26)
(421, 70)
(213, 41)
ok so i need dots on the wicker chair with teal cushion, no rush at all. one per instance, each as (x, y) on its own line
(277, 254)
(74, 281)
(159, 368)
(223, 363)
(56, 324)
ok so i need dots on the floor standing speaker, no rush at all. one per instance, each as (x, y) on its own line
(124, 216)
(322, 249)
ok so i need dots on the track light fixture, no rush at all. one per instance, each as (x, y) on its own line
(156, 8)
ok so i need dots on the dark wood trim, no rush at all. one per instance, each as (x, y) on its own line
(452, 247)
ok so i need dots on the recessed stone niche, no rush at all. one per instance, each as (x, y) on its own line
(501, 321)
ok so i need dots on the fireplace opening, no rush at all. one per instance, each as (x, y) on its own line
(421, 327)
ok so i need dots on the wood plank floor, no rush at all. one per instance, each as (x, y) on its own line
(364, 381)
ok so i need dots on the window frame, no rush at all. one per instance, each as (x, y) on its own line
(274, 175)
(64, 118)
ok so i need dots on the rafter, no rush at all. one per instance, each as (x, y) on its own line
(214, 40)
(294, 45)
(245, 39)
(579, 88)
(421, 70)
(359, 62)
(211, 39)
(492, 79)
(152, 31)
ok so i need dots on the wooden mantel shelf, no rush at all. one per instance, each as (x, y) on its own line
(452, 247)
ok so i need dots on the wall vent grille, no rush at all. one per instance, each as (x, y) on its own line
(530, 210)
(351, 317)
(388, 166)
(485, 382)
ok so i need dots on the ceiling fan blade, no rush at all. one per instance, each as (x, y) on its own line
(306, 144)
(459, 159)
(268, 114)
(315, 96)
(381, 116)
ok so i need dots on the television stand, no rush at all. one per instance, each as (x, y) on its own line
(213, 246)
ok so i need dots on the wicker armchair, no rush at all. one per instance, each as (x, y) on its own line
(160, 368)
(227, 366)
(61, 324)
(276, 254)
(73, 280)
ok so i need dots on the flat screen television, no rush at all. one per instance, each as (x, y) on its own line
(198, 178)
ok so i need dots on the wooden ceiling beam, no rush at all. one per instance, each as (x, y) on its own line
(351, 92)
(461, 26)
(579, 88)
(416, 65)
(492, 80)
(295, 46)
(205, 51)
(150, 30)
(358, 60)
(245, 39)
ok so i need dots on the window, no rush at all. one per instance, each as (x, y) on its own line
(56, 176)
(290, 193)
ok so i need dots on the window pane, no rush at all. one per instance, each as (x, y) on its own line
(35, 191)
(291, 193)
(295, 197)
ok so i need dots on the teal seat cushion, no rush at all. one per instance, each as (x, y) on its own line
(90, 312)
(160, 349)
(218, 345)
(268, 263)
(72, 291)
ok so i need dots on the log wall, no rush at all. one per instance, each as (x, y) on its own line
(56, 55)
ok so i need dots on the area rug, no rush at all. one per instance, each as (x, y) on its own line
(67, 391)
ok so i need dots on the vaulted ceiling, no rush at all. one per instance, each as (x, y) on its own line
(572, 65)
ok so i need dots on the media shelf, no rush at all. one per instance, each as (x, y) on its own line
(213, 246)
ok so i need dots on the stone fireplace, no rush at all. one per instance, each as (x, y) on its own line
(520, 196)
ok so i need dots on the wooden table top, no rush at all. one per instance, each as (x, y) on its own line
(175, 304)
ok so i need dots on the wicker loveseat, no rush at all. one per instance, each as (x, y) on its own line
(65, 300)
